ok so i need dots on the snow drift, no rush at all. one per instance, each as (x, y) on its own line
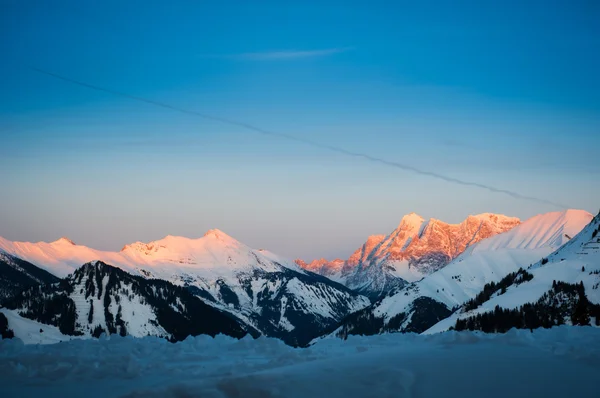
(559, 362)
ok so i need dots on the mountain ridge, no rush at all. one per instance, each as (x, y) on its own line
(99, 298)
(555, 284)
(410, 307)
(263, 290)
(417, 247)
(17, 274)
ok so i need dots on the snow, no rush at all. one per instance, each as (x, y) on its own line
(383, 259)
(214, 255)
(205, 262)
(314, 303)
(215, 263)
(283, 321)
(403, 270)
(490, 260)
(138, 317)
(465, 364)
(411, 222)
(576, 261)
(281, 260)
(543, 230)
(9, 260)
(28, 331)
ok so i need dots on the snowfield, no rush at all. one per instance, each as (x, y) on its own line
(559, 362)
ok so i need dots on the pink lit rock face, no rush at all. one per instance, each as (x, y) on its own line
(323, 266)
(415, 249)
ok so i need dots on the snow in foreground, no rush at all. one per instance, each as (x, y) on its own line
(559, 362)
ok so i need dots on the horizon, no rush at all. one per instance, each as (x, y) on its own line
(308, 260)
(444, 111)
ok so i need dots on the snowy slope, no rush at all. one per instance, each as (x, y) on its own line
(419, 305)
(577, 261)
(33, 332)
(416, 248)
(17, 274)
(265, 291)
(98, 298)
(560, 362)
(215, 254)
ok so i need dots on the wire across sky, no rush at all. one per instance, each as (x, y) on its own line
(305, 141)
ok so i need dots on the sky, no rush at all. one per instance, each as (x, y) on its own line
(505, 95)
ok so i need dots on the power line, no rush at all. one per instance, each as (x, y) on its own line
(312, 143)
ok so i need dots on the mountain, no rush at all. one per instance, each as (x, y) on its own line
(270, 294)
(98, 298)
(416, 248)
(562, 288)
(330, 269)
(419, 305)
(17, 275)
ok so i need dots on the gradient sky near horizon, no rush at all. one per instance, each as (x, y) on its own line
(506, 95)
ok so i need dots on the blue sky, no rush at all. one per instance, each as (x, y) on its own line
(503, 95)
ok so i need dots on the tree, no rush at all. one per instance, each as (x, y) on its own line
(5, 332)
(581, 313)
(98, 330)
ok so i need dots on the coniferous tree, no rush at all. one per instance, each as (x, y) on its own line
(5, 332)
(581, 313)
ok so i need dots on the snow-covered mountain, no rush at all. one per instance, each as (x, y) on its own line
(416, 248)
(329, 269)
(419, 305)
(547, 293)
(98, 298)
(17, 275)
(263, 290)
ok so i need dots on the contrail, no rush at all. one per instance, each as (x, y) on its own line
(312, 143)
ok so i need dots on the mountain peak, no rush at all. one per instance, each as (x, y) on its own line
(96, 264)
(64, 240)
(375, 238)
(577, 213)
(411, 220)
(217, 233)
(212, 232)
